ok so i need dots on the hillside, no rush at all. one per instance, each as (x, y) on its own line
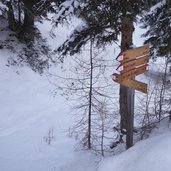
(147, 155)
(34, 121)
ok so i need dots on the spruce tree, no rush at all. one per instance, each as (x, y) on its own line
(21, 16)
(103, 22)
(157, 22)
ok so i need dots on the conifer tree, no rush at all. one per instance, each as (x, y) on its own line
(157, 22)
(20, 16)
(103, 22)
(159, 29)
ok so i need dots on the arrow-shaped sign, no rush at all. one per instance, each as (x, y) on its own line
(126, 66)
(134, 84)
(133, 53)
(132, 63)
(120, 57)
(130, 74)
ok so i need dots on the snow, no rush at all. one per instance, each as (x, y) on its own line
(29, 111)
(2, 7)
(146, 155)
(66, 9)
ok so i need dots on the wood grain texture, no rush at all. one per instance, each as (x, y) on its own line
(130, 74)
(137, 85)
(135, 53)
(127, 66)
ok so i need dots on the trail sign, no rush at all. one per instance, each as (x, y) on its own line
(134, 84)
(130, 74)
(133, 53)
(126, 66)
(132, 63)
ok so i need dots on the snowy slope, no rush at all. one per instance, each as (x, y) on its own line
(28, 112)
(150, 154)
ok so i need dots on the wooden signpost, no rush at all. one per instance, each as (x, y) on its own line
(130, 74)
(134, 84)
(133, 53)
(132, 63)
(126, 66)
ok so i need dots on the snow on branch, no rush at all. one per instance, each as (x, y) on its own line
(2, 8)
(75, 41)
(66, 9)
(82, 34)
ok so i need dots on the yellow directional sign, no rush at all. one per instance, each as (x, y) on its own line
(135, 53)
(132, 63)
(130, 74)
(126, 66)
(134, 84)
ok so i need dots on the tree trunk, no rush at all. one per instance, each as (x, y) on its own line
(19, 13)
(126, 42)
(28, 26)
(11, 18)
(90, 95)
(168, 2)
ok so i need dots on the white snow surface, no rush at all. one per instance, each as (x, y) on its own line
(28, 110)
(147, 155)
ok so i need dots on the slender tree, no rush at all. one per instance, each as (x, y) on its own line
(11, 19)
(104, 21)
(88, 88)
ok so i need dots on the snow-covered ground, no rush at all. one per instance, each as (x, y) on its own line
(34, 123)
(28, 112)
(147, 155)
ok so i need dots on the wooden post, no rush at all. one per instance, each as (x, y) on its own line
(133, 62)
(90, 94)
(126, 42)
(130, 117)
